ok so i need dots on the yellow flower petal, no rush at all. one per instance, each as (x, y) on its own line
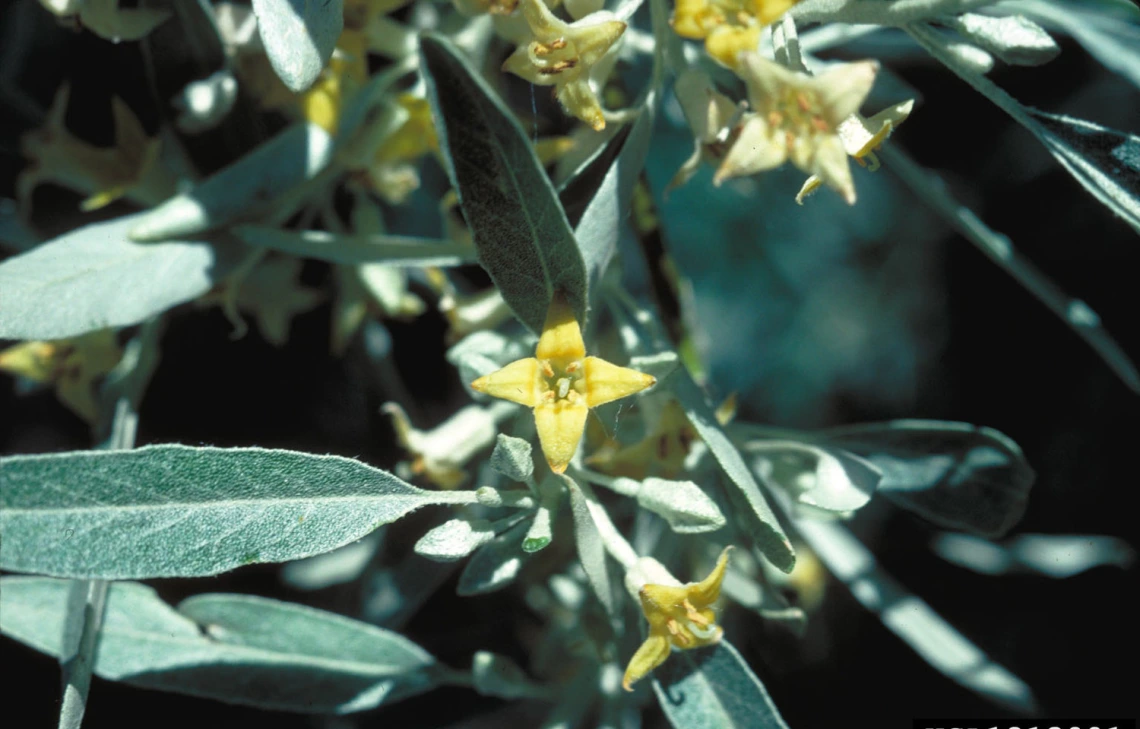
(650, 655)
(520, 381)
(560, 425)
(561, 336)
(606, 382)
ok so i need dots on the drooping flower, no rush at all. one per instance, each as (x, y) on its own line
(710, 115)
(796, 117)
(728, 27)
(561, 383)
(861, 137)
(564, 54)
(679, 616)
(72, 366)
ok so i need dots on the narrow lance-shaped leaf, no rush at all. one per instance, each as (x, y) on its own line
(591, 551)
(518, 225)
(178, 511)
(1103, 160)
(714, 688)
(912, 619)
(96, 277)
(234, 648)
(643, 338)
(392, 250)
(998, 248)
(598, 197)
(267, 178)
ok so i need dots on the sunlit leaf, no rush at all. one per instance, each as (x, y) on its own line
(912, 619)
(518, 225)
(957, 475)
(496, 564)
(713, 688)
(178, 511)
(95, 277)
(260, 181)
(597, 198)
(1051, 555)
(235, 648)
(591, 552)
(299, 37)
(392, 250)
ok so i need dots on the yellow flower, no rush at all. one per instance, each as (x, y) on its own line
(728, 27)
(130, 168)
(71, 365)
(563, 54)
(679, 616)
(561, 383)
(796, 117)
(861, 137)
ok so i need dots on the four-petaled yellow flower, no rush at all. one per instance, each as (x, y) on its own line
(680, 616)
(728, 27)
(861, 137)
(561, 383)
(563, 54)
(796, 117)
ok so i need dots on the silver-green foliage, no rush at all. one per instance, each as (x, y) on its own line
(179, 511)
(96, 277)
(518, 225)
(235, 648)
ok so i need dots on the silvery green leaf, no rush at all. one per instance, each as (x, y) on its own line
(1112, 38)
(1106, 162)
(337, 567)
(827, 479)
(524, 240)
(299, 37)
(499, 676)
(1014, 39)
(95, 277)
(541, 530)
(513, 457)
(713, 688)
(957, 475)
(597, 198)
(912, 619)
(234, 648)
(496, 564)
(454, 539)
(244, 190)
(642, 337)
(1076, 314)
(1051, 555)
(587, 538)
(179, 511)
(767, 602)
(769, 535)
(681, 503)
(391, 250)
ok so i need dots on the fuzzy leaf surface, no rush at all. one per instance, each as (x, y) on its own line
(235, 648)
(180, 511)
(525, 242)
